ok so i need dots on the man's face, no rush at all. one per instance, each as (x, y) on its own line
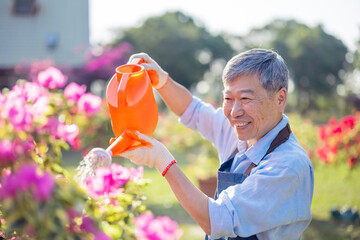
(251, 111)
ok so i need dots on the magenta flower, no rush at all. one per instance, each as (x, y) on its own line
(19, 113)
(136, 174)
(74, 91)
(88, 225)
(102, 66)
(100, 185)
(161, 228)
(107, 182)
(28, 178)
(7, 151)
(41, 106)
(32, 91)
(101, 236)
(89, 104)
(120, 174)
(51, 78)
(71, 135)
(23, 104)
(2, 100)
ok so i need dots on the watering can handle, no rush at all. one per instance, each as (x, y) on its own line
(123, 83)
(137, 61)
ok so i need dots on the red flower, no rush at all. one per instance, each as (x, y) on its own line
(323, 153)
(332, 122)
(352, 161)
(348, 122)
(337, 130)
(322, 133)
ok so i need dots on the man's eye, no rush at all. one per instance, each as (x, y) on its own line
(245, 100)
(227, 99)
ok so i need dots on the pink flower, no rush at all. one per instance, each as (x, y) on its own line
(73, 91)
(2, 100)
(89, 104)
(120, 174)
(161, 228)
(71, 135)
(100, 185)
(51, 78)
(7, 151)
(107, 182)
(33, 91)
(101, 236)
(136, 174)
(88, 225)
(28, 178)
(19, 113)
(23, 104)
(41, 106)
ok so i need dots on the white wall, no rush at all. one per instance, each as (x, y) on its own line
(23, 38)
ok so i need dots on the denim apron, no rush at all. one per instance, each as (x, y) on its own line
(226, 179)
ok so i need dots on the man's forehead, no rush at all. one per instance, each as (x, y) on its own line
(229, 89)
(243, 84)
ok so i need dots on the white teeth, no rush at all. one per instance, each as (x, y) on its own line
(240, 124)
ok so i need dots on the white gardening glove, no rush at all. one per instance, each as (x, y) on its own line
(157, 75)
(150, 152)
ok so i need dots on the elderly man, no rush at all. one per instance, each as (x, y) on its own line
(265, 179)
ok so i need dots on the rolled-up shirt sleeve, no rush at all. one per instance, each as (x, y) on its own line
(265, 200)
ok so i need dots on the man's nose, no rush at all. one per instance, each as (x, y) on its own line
(237, 109)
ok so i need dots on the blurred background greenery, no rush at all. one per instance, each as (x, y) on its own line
(324, 83)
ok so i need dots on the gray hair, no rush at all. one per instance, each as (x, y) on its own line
(269, 65)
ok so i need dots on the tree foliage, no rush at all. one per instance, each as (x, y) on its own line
(314, 57)
(175, 41)
(357, 56)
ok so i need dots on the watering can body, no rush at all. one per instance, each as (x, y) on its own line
(131, 104)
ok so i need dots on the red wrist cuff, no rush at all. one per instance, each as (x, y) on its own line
(167, 168)
(167, 79)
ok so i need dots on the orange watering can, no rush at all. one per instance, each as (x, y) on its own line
(131, 104)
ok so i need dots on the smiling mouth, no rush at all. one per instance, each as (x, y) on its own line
(241, 125)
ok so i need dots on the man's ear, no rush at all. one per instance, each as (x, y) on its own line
(281, 97)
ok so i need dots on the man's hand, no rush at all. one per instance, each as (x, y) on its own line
(157, 76)
(150, 152)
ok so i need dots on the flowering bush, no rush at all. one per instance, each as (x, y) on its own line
(148, 227)
(103, 61)
(37, 121)
(30, 197)
(116, 199)
(305, 132)
(340, 140)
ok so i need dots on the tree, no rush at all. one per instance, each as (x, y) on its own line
(177, 43)
(314, 58)
(357, 56)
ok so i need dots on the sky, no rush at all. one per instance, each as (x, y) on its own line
(339, 18)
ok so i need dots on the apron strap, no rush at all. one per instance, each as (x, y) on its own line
(282, 137)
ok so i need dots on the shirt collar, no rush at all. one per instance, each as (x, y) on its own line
(258, 150)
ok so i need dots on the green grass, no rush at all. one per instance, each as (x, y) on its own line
(333, 186)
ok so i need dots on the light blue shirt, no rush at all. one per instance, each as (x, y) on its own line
(274, 201)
